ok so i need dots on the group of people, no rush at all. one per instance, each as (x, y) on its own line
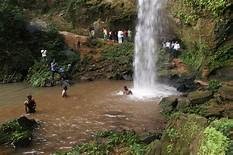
(117, 36)
(172, 46)
(30, 104)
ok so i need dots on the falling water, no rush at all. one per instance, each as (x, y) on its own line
(150, 26)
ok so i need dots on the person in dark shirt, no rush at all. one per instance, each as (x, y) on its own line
(30, 105)
(127, 91)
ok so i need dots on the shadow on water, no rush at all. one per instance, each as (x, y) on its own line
(90, 107)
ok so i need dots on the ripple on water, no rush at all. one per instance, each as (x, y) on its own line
(99, 108)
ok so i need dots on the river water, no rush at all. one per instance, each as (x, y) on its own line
(90, 107)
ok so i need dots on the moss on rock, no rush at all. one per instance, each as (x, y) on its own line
(182, 134)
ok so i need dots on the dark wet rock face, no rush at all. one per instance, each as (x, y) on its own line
(181, 83)
(225, 73)
(27, 123)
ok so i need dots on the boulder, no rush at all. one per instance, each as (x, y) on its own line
(199, 97)
(26, 122)
(212, 109)
(150, 138)
(182, 134)
(183, 83)
(169, 104)
(183, 104)
(18, 132)
(226, 92)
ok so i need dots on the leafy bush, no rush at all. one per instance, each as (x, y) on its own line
(13, 133)
(188, 11)
(122, 53)
(223, 125)
(214, 85)
(195, 57)
(39, 74)
(213, 143)
(221, 57)
(215, 7)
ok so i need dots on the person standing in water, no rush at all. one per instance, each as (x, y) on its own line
(127, 91)
(64, 91)
(30, 105)
(65, 85)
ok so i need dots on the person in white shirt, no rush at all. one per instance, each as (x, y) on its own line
(43, 54)
(168, 44)
(119, 35)
(176, 46)
(175, 49)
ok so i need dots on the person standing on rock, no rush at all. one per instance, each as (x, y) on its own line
(120, 36)
(105, 33)
(30, 105)
(129, 35)
(44, 54)
(53, 68)
(92, 33)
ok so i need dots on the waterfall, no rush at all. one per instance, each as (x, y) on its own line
(151, 25)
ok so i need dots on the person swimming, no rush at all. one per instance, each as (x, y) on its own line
(127, 91)
(30, 105)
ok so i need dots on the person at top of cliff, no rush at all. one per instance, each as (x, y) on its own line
(127, 91)
(30, 105)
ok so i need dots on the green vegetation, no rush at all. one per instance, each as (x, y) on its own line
(74, 10)
(122, 53)
(214, 85)
(182, 130)
(221, 57)
(195, 57)
(110, 141)
(213, 142)
(224, 126)
(189, 10)
(39, 74)
(121, 58)
(20, 46)
(13, 133)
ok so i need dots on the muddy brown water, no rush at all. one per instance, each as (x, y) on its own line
(66, 122)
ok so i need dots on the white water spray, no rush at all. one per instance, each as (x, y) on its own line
(150, 26)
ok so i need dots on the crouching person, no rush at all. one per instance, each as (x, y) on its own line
(30, 105)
